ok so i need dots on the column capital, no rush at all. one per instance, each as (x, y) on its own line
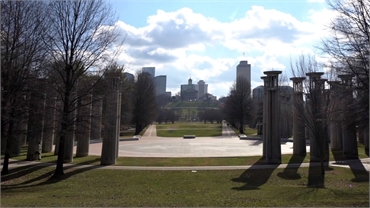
(297, 79)
(346, 76)
(314, 74)
(297, 84)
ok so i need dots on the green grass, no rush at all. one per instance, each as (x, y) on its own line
(180, 129)
(32, 187)
(247, 131)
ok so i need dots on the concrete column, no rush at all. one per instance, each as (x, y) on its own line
(49, 126)
(83, 126)
(335, 130)
(111, 122)
(365, 135)
(299, 140)
(349, 138)
(273, 144)
(70, 134)
(264, 116)
(118, 120)
(96, 118)
(319, 147)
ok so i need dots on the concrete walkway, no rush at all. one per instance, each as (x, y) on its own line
(227, 145)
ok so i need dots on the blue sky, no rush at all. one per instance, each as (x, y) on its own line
(207, 39)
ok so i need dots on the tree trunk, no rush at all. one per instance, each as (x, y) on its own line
(138, 128)
(64, 128)
(241, 127)
(5, 169)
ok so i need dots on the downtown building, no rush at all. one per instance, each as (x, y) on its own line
(243, 69)
(160, 82)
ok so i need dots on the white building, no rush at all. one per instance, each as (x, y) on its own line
(202, 88)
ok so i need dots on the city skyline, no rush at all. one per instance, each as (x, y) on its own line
(209, 39)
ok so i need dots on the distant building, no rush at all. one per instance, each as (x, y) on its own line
(188, 91)
(257, 93)
(150, 70)
(286, 111)
(129, 76)
(202, 88)
(168, 94)
(244, 70)
(160, 84)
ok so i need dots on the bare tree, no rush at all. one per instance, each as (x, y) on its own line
(348, 47)
(238, 105)
(81, 37)
(316, 107)
(144, 102)
(22, 53)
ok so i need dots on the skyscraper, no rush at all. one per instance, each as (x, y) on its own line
(160, 84)
(150, 70)
(244, 70)
(202, 89)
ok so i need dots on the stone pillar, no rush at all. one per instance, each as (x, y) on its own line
(299, 140)
(70, 134)
(273, 144)
(264, 115)
(119, 119)
(335, 130)
(96, 118)
(319, 147)
(365, 135)
(83, 126)
(49, 126)
(111, 122)
(349, 138)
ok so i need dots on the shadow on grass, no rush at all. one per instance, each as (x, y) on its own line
(315, 177)
(46, 178)
(21, 171)
(255, 176)
(356, 166)
(291, 170)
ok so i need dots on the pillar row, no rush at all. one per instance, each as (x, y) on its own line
(348, 125)
(83, 126)
(111, 123)
(299, 141)
(335, 130)
(273, 144)
(319, 147)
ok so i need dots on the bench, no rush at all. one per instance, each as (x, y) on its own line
(189, 136)
(134, 138)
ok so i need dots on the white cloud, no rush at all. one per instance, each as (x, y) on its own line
(184, 43)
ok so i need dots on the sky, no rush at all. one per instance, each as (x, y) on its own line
(206, 39)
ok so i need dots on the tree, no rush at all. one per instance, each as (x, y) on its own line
(348, 47)
(80, 38)
(315, 112)
(22, 54)
(238, 104)
(144, 102)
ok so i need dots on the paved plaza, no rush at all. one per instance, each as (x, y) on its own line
(227, 145)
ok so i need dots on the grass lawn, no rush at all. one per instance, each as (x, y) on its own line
(32, 186)
(180, 129)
